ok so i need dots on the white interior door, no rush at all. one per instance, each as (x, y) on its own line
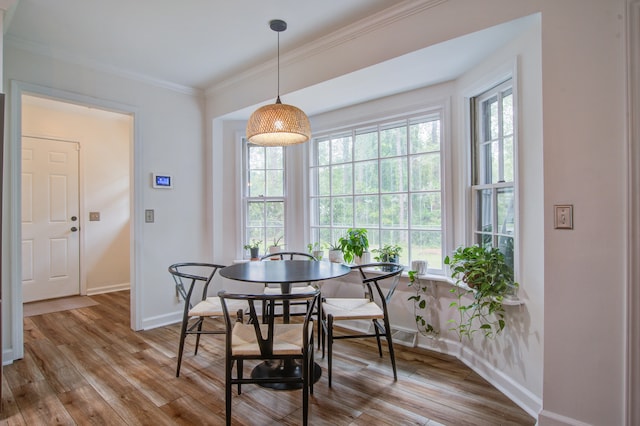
(50, 225)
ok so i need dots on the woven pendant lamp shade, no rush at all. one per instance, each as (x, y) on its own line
(278, 125)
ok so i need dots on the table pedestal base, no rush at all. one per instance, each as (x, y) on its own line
(272, 369)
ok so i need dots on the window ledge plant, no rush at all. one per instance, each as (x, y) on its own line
(488, 279)
(354, 243)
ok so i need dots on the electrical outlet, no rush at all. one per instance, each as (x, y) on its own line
(149, 216)
(563, 216)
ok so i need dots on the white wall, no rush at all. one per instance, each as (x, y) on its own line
(105, 140)
(574, 281)
(168, 137)
(583, 152)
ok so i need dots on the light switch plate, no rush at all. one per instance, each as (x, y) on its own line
(563, 216)
(94, 216)
(149, 216)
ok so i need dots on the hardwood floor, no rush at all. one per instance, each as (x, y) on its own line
(86, 366)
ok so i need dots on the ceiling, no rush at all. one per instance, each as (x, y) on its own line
(196, 44)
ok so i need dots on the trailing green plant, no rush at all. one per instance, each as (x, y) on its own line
(483, 275)
(354, 243)
(419, 304)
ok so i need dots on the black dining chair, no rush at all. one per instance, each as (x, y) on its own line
(295, 288)
(372, 306)
(192, 280)
(269, 341)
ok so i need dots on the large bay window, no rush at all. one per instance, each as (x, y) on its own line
(385, 177)
(263, 194)
(494, 159)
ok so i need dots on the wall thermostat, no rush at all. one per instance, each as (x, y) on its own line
(162, 180)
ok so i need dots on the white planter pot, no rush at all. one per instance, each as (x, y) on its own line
(335, 256)
(364, 259)
(274, 249)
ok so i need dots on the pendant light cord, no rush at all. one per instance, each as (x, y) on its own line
(278, 98)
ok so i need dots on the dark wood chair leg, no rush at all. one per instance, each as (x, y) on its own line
(200, 322)
(183, 335)
(387, 328)
(329, 345)
(376, 327)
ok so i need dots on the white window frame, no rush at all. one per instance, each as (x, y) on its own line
(476, 120)
(245, 198)
(443, 114)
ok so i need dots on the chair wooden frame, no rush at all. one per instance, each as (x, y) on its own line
(185, 282)
(372, 274)
(289, 255)
(269, 347)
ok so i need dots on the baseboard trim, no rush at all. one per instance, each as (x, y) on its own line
(549, 418)
(108, 289)
(162, 320)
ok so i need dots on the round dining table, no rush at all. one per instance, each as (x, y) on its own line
(285, 273)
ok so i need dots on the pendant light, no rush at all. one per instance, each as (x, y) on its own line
(278, 124)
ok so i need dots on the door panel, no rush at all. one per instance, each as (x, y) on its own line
(50, 248)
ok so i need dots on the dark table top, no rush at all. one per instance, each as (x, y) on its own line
(284, 271)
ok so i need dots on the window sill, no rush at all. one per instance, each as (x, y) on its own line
(446, 280)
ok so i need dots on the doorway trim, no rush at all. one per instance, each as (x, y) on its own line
(17, 89)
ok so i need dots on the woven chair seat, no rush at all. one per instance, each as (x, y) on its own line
(212, 307)
(309, 289)
(346, 309)
(287, 339)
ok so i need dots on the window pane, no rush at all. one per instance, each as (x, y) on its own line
(395, 210)
(343, 211)
(274, 213)
(256, 157)
(324, 211)
(490, 112)
(508, 159)
(393, 175)
(424, 137)
(427, 245)
(507, 113)
(341, 179)
(274, 158)
(366, 177)
(393, 141)
(484, 210)
(426, 211)
(275, 183)
(255, 214)
(399, 237)
(366, 145)
(256, 183)
(341, 149)
(367, 211)
(322, 149)
(505, 245)
(425, 172)
(324, 181)
(484, 240)
(505, 211)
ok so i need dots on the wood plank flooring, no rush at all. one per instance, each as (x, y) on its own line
(86, 366)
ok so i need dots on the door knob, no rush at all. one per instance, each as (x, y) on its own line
(74, 218)
(74, 229)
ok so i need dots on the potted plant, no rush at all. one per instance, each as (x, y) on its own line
(354, 245)
(254, 248)
(483, 275)
(275, 247)
(388, 253)
(316, 249)
(335, 253)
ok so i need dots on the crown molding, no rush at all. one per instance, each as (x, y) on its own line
(357, 29)
(57, 54)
